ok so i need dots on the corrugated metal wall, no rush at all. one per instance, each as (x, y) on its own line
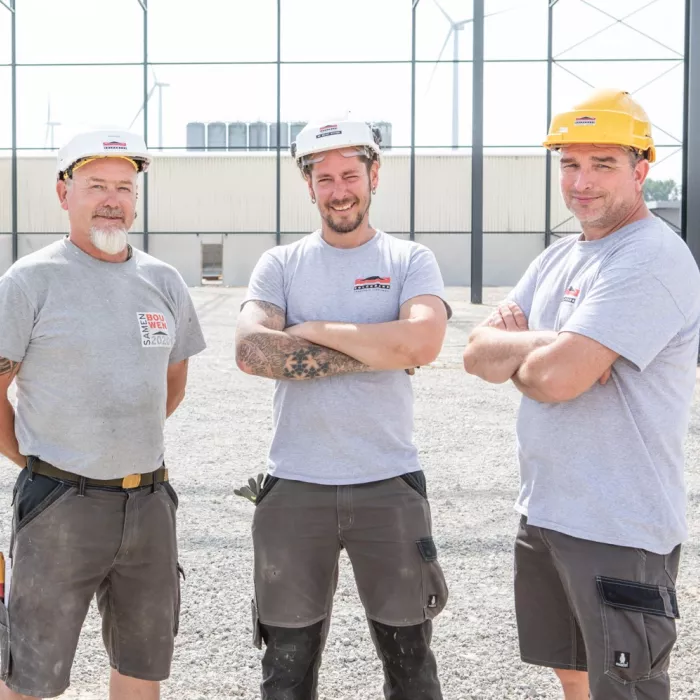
(235, 193)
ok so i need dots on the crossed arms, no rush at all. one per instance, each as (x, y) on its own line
(315, 349)
(544, 365)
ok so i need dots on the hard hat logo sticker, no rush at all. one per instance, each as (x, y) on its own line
(337, 132)
(584, 121)
(114, 145)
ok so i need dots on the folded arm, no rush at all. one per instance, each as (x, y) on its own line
(264, 349)
(8, 441)
(495, 354)
(564, 369)
(413, 340)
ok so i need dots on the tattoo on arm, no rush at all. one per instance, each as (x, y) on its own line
(276, 355)
(8, 366)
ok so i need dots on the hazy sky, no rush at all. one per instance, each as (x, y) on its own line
(78, 31)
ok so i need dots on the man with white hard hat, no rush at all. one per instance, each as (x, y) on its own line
(339, 319)
(601, 337)
(97, 336)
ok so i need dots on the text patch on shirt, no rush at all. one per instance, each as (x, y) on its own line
(374, 282)
(154, 331)
(571, 295)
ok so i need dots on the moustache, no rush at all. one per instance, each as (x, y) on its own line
(109, 213)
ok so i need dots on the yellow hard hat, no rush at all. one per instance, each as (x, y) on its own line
(609, 117)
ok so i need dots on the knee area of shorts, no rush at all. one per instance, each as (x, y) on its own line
(293, 642)
(411, 640)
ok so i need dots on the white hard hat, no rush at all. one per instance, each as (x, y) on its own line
(352, 137)
(102, 144)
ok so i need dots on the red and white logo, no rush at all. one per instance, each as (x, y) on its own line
(374, 282)
(571, 295)
(114, 145)
(153, 329)
(584, 121)
(329, 130)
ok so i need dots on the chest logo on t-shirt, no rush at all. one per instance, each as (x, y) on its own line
(153, 328)
(374, 282)
(571, 295)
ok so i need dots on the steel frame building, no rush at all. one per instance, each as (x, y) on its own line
(690, 145)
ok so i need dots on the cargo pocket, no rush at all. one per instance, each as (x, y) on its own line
(640, 627)
(180, 576)
(434, 587)
(257, 632)
(4, 643)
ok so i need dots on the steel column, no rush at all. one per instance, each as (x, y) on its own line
(477, 227)
(144, 5)
(278, 187)
(548, 154)
(412, 186)
(14, 175)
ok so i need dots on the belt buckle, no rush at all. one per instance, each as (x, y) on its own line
(131, 481)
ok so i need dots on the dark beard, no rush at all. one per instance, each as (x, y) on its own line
(349, 226)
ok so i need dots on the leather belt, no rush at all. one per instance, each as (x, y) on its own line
(132, 481)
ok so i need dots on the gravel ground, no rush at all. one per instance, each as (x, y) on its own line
(464, 429)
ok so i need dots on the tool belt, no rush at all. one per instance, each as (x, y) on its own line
(132, 481)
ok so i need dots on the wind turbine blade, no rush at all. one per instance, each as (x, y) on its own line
(439, 6)
(48, 123)
(488, 14)
(138, 114)
(437, 60)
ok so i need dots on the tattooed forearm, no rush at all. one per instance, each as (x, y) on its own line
(278, 356)
(8, 366)
(263, 349)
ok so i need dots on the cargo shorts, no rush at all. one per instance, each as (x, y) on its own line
(605, 609)
(119, 545)
(300, 528)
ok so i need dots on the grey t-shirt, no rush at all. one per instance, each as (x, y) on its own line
(353, 428)
(608, 466)
(95, 340)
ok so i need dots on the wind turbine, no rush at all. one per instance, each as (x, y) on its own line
(455, 28)
(157, 85)
(50, 126)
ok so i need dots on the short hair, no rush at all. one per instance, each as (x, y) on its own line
(635, 156)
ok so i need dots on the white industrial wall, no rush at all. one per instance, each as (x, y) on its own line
(231, 198)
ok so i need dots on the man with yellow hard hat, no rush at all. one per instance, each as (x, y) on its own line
(600, 336)
(97, 336)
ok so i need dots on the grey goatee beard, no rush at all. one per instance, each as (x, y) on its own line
(111, 241)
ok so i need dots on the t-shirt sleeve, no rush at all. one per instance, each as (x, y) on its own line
(629, 311)
(16, 320)
(189, 339)
(267, 282)
(524, 291)
(423, 278)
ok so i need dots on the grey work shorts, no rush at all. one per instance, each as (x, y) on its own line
(385, 526)
(118, 545)
(606, 609)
